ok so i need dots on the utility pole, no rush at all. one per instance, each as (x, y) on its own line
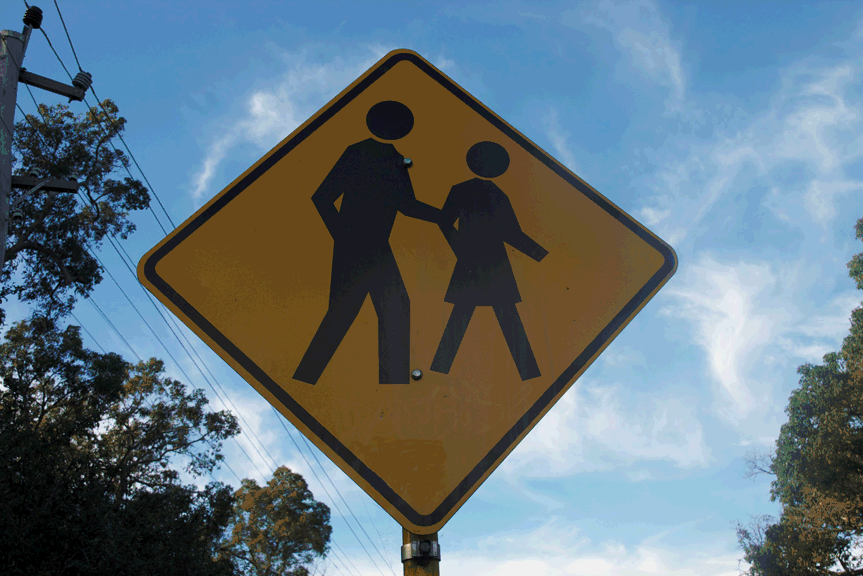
(12, 48)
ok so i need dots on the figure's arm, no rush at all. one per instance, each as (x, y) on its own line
(516, 238)
(526, 244)
(327, 194)
(413, 208)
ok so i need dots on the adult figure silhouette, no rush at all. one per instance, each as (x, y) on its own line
(483, 275)
(373, 179)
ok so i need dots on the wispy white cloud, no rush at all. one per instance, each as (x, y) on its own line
(558, 546)
(558, 138)
(640, 32)
(739, 310)
(217, 152)
(813, 337)
(727, 306)
(531, 15)
(592, 428)
(799, 148)
(621, 354)
(273, 113)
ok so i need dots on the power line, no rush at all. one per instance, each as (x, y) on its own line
(334, 486)
(95, 117)
(179, 366)
(63, 22)
(88, 332)
(204, 364)
(111, 324)
(41, 137)
(38, 133)
(92, 302)
(106, 112)
(146, 400)
(115, 281)
(305, 440)
(281, 421)
(172, 223)
(114, 328)
(369, 516)
(238, 411)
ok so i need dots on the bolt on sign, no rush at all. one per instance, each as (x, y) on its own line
(411, 282)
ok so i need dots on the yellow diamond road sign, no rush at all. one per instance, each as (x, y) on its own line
(411, 282)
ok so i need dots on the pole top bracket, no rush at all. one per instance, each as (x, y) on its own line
(421, 550)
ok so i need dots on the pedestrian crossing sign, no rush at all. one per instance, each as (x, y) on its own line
(411, 282)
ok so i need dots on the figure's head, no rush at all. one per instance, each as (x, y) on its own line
(487, 159)
(390, 120)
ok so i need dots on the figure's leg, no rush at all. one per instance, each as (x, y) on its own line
(393, 307)
(516, 339)
(343, 310)
(456, 326)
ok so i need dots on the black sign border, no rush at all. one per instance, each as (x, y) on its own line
(668, 268)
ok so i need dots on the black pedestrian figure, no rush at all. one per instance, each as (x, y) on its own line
(374, 180)
(483, 275)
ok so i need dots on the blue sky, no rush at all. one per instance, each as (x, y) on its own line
(732, 130)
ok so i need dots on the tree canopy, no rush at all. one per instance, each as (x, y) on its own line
(87, 439)
(279, 528)
(49, 247)
(78, 500)
(818, 464)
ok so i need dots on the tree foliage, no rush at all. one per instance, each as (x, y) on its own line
(78, 500)
(277, 529)
(87, 439)
(818, 464)
(49, 248)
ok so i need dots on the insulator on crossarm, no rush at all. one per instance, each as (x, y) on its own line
(83, 80)
(33, 17)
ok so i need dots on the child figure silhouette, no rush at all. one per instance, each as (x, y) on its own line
(483, 275)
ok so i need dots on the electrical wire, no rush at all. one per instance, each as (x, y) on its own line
(179, 366)
(105, 317)
(38, 132)
(171, 316)
(227, 400)
(88, 332)
(309, 464)
(306, 441)
(92, 302)
(63, 22)
(146, 400)
(145, 178)
(278, 416)
(163, 229)
(166, 213)
(95, 117)
(45, 143)
(123, 338)
(132, 156)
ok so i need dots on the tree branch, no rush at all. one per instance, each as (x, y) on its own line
(28, 245)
